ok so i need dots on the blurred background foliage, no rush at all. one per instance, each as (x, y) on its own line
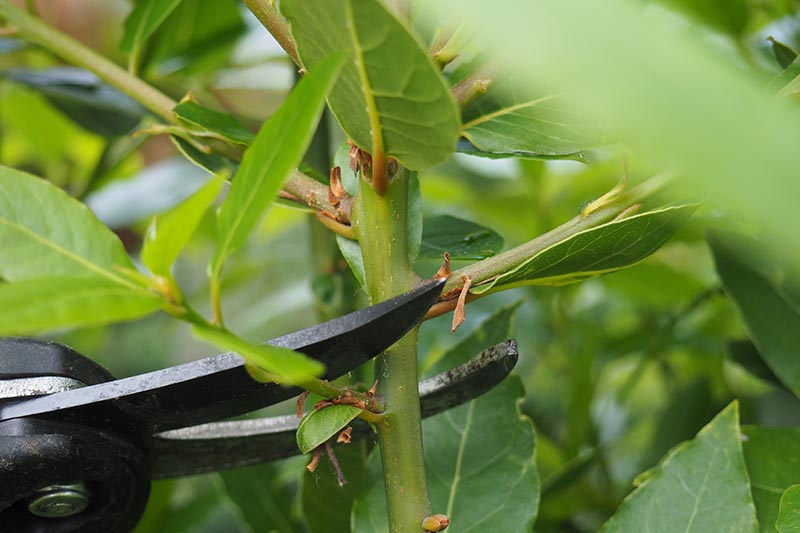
(618, 370)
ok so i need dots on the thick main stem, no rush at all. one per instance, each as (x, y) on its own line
(381, 226)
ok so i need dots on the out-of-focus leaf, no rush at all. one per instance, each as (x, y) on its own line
(390, 92)
(700, 486)
(351, 252)
(46, 303)
(745, 354)
(789, 512)
(600, 250)
(773, 465)
(783, 53)
(729, 16)
(83, 97)
(462, 239)
(169, 233)
(278, 148)
(322, 424)
(214, 121)
(44, 232)
(146, 17)
(770, 314)
(781, 82)
(480, 459)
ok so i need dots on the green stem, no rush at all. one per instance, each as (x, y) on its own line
(78, 54)
(380, 223)
(269, 17)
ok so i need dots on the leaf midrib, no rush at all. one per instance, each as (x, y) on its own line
(505, 111)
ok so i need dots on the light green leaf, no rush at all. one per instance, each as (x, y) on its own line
(462, 239)
(321, 424)
(773, 465)
(286, 365)
(277, 149)
(599, 250)
(789, 512)
(41, 304)
(765, 302)
(480, 460)
(390, 88)
(146, 17)
(45, 233)
(351, 251)
(169, 233)
(700, 486)
(223, 124)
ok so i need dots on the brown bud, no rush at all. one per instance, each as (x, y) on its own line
(437, 522)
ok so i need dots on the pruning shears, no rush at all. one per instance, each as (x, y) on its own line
(78, 448)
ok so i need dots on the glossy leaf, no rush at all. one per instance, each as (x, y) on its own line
(771, 314)
(390, 88)
(600, 250)
(169, 233)
(479, 457)
(773, 465)
(46, 303)
(223, 124)
(700, 486)
(286, 365)
(44, 233)
(146, 17)
(277, 149)
(460, 238)
(321, 424)
(789, 512)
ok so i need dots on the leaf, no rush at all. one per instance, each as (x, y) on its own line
(606, 248)
(45, 303)
(789, 512)
(169, 233)
(146, 17)
(771, 316)
(223, 124)
(351, 251)
(773, 465)
(479, 457)
(45, 233)
(277, 149)
(390, 88)
(321, 424)
(700, 486)
(729, 16)
(286, 365)
(783, 53)
(462, 239)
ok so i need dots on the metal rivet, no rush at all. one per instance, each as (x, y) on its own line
(59, 501)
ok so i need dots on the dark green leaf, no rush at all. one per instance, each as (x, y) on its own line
(146, 17)
(321, 424)
(214, 121)
(789, 512)
(390, 88)
(784, 54)
(278, 148)
(479, 457)
(462, 239)
(745, 354)
(773, 465)
(700, 486)
(46, 303)
(351, 251)
(764, 301)
(600, 250)
(729, 16)
(169, 233)
(212, 162)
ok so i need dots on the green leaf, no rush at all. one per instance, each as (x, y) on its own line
(786, 79)
(783, 53)
(223, 124)
(700, 486)
(45, 303)
(44, 233)
(479, 457)
(462, 239)
(606, 248)
(789, 512)
(146, 17)
(765, 301)
(169, 233)
(773, 465)
(286, 365)
(321, 424)
(729, 16)
(351, 251)
(277, 149)
(390, 88)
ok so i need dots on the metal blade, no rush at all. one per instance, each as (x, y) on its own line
(219, 387)
(221, 445)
